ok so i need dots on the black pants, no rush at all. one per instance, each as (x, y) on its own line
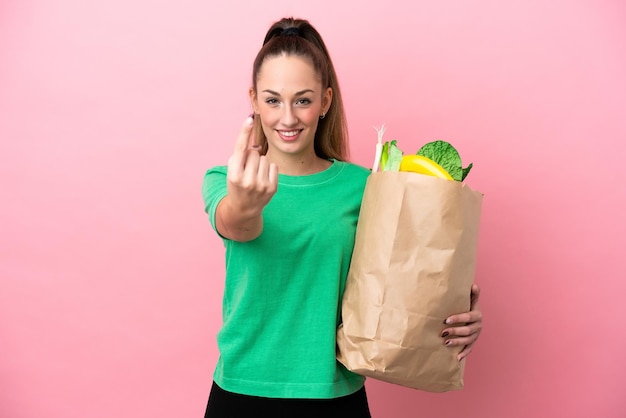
(223, 404)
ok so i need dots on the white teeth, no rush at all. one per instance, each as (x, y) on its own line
(289, 133)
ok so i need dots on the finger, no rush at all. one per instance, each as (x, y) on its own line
(251, 168)
(460, 341)
(237, 160)
(475, 289)
(465, 352)
(463, 318)
(469, 329)
(273, 176)
(252, 143)
(263, 171)
(474, 295)
(268, 175)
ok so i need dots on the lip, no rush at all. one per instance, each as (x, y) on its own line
(289, 135)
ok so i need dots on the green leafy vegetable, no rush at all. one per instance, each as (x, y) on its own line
(394, 156)
(466, 171)
(444, 154)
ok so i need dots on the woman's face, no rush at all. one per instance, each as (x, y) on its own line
(289, 101)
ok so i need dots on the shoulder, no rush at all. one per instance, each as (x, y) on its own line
(352, 177)
(214, 183)
(354, 174)
(218, 170)
(215, 174)
(354, 170)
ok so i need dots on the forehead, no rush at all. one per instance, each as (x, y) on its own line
(288, 72)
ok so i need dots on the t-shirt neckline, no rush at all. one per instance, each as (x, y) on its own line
(312, 179)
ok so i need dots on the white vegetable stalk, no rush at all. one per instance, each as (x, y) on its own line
(379, 147)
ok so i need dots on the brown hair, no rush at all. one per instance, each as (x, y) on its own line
(298, 37)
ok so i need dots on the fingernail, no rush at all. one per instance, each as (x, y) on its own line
(445, 334)
(448, 342)
(446, 321)
(251, 116)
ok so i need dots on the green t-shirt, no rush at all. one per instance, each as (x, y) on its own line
(283, 290)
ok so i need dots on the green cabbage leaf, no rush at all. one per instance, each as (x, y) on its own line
(444, 154)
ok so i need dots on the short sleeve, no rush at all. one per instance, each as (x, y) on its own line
(214, 190)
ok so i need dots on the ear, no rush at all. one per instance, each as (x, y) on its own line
(327, 99)
(253, 100)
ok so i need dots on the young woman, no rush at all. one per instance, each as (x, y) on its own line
(286, 207)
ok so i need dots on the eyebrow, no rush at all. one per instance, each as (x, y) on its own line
(300, 93)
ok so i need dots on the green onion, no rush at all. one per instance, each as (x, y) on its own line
(379, 149)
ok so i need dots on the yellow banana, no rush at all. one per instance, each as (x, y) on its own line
(423, 165)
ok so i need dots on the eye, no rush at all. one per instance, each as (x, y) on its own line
(303, 102)
(271, 101)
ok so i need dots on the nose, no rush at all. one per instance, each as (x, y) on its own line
(288, 117)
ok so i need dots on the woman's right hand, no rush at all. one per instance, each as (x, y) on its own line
(251, 181)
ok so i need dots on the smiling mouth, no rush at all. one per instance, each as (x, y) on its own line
(289, 135)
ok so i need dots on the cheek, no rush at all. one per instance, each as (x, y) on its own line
(268, 116)
(269, 120)
(309, 116)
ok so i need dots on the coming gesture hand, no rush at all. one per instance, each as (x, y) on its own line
(251, 181)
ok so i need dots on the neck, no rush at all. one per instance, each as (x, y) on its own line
(299, 165)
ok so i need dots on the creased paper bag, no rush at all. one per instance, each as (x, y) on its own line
(413, 266)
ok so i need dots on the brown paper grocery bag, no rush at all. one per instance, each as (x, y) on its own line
(413, 266)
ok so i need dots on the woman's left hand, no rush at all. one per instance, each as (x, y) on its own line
(465, 335)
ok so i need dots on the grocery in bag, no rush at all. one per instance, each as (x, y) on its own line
(413, 266)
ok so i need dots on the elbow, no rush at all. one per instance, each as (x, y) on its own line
(240, 234)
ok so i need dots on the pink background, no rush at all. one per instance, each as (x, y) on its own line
(110, 112)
